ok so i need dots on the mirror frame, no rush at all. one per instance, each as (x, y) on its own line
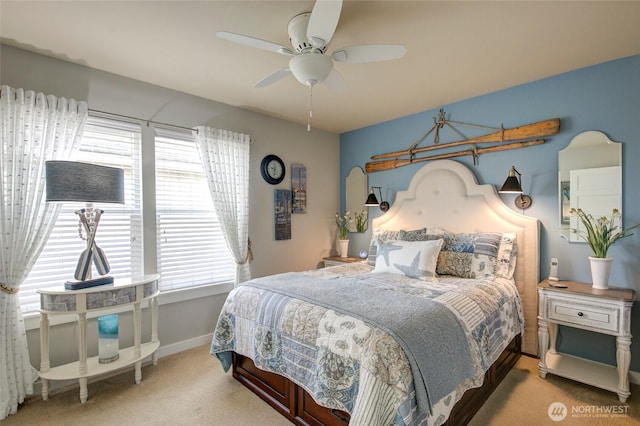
(356, 191)
(587, 150)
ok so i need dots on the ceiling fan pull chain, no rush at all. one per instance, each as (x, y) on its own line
(310, 108)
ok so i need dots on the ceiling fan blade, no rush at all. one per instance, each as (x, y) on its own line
(273, 77)
(255, 42)
(369, 53)
(335, 82)
(323, 22)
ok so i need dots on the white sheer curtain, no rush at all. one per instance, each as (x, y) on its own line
(225, 157)
(34, 128)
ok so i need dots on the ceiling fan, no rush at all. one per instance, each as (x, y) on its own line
(310, 34)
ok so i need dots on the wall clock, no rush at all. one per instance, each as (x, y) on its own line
(272, 169)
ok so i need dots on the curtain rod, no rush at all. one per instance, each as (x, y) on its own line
(47, 98)
(141, 119)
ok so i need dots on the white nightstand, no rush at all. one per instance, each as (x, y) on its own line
(337, 260)
(600, 311)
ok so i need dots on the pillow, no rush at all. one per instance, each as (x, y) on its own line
(414, 259)
(482, 255)
(380, 236)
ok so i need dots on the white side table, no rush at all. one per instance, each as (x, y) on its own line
(129, 292)
(601, 311)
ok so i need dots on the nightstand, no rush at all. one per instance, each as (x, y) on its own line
(601, 311)
(337, 260)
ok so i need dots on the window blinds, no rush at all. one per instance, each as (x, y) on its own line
(191, 247)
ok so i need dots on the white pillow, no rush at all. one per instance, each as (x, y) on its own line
(415, 259)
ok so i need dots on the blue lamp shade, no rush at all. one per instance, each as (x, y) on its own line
(108, 343)
(83, 182)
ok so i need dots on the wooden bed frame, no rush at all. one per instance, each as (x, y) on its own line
(442, 194)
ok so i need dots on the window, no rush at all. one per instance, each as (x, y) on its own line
(109, 143)
(191, 247)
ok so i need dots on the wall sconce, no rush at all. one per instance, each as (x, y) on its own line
(513, 185)
(71, 181)
(373, 201)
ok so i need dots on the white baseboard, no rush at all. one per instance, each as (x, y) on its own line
(184, 345)
(634, 377)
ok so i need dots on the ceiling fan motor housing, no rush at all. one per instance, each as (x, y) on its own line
(297, 30)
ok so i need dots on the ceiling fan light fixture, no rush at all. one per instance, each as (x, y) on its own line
(308, 67)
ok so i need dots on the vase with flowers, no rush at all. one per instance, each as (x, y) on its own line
(343, 232)
(600, 234)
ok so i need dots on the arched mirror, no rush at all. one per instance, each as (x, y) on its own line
(356, 191)
(589, 178)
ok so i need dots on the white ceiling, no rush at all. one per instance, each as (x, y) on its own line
(455, 50)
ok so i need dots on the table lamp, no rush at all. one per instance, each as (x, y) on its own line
(71, 181)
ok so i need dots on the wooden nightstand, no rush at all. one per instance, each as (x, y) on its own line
(337, 260)
(600, 311)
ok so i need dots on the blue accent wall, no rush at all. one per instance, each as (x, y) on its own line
(604, 97)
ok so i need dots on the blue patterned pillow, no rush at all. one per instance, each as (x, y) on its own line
(486, 255)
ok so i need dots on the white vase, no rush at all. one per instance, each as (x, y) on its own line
(344, 247)
(600, 270)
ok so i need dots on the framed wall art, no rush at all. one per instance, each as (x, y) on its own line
(566, 198)
(298, 188)
(282, 214)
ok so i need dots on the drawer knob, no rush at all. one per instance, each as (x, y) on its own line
(580, 314)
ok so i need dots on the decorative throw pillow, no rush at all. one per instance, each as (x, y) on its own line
(482, 255)
(380, 236)
(414, 259)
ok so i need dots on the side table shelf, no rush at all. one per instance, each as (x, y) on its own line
(130, 292)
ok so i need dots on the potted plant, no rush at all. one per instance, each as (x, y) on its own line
(343, 232)
(600, 234)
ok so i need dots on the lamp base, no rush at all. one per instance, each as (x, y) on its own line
(78, 285)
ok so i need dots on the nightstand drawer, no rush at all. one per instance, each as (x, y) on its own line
(584, 315)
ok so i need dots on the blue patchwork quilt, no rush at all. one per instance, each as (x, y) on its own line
(386, 348)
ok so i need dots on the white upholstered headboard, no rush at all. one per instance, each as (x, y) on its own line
(446, 194)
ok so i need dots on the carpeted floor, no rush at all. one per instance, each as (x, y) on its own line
(190, 388)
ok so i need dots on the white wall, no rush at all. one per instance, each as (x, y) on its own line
(313, 233)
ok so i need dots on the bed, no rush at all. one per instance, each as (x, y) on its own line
(420, 334)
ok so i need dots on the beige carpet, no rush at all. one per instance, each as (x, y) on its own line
(190, 388)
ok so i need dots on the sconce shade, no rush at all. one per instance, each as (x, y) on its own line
(371, 200)
(511, 186)
(83, 182)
